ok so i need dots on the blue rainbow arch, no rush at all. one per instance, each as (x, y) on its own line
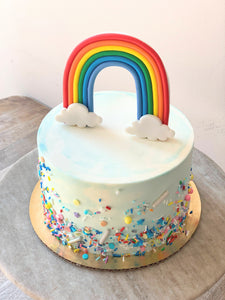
(101, 63)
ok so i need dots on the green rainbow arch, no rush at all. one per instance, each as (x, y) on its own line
(119, 54)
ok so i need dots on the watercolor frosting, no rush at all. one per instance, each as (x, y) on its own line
(106, 191)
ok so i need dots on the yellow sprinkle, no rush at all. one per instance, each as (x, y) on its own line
(127, 254)
(128, 220)
(47, 189)
(76, 250)
(52, 229)
(76, 202)
(186, 204)
(52, 189)
(103, 223)
(192, 177)
(126, 237)
(180, 228)
(48, 205)
(170, 203)
(178, 212)
(179, 201)
(49, 178)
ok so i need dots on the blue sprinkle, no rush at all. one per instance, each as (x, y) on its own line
(85, 256)
(140, 222)
(111, 246)
(72, 229)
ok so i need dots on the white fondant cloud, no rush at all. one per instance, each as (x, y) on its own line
(78, 114)
(150, 127)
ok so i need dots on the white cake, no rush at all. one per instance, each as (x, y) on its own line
(108, 192)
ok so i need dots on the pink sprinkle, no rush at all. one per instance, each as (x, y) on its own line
(190, 191)
(67, 228)
(187, 197)
(142, 248)
(106, 259)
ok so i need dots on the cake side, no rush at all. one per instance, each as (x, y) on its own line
(140, 203)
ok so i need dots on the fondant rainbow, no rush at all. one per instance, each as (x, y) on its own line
(104, 50)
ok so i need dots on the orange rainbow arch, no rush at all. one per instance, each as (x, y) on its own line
(103, 50)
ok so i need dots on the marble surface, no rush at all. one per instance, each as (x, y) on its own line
(196, 271)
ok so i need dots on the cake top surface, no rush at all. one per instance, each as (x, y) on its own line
(107, 153)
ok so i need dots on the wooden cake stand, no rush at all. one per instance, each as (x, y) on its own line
(43, 275)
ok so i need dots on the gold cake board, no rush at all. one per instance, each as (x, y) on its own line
(114, 263)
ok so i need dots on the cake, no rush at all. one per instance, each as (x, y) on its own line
(110, 187)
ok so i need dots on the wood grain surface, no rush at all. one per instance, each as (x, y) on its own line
(20, 118)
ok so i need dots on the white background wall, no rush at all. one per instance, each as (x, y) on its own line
(36, 38)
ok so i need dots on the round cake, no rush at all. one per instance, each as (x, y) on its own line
(111, 187)
(110, 191)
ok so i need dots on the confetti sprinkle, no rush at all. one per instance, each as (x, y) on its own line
(187, 197)
(103, 223)
(85, 256)
(76, 202)
(155, 233)
(76, 214)
(160, 199)
(140, 222)
(111, 246)
(128, 220)
(104, 237)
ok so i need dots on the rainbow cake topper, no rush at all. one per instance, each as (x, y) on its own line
(112, 49)
(139, 58)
